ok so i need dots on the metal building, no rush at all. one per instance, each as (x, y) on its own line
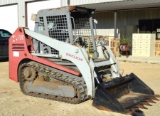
(16, 13)
(125, 15)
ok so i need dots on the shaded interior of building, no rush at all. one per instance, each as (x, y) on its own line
(130, 21)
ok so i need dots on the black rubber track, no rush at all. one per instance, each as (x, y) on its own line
(76, 82)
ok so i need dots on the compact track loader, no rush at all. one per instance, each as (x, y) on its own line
(62, 60)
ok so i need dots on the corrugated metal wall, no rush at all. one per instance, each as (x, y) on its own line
(6, 2)
(22, 12)
(124, 18)
(21, 9)
(131, 17)
(127, 21)
(80, 2)
(105, 19)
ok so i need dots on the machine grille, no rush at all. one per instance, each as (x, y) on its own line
(17, 47)
(82, 27)
(58, 29)
(57, 26)
(41, 24)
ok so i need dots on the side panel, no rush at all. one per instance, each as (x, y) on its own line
(19, 47)
(17, 52)
(69, 52)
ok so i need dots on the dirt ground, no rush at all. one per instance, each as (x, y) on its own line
(14, 103)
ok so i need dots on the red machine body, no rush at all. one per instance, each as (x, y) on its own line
(20, 46)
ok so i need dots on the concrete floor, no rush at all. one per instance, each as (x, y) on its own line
(14, 103)
(155, 59)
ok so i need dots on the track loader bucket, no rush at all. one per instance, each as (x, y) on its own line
(124, 95)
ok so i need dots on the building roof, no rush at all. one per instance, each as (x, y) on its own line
(105, 5)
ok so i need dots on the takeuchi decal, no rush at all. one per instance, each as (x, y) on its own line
(73, 56)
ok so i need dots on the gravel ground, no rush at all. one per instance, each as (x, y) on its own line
(14, 103)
